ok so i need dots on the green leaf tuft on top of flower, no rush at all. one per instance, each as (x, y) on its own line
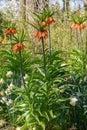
(41, 21)
(18, 40)
(10, 29)
(78, 22)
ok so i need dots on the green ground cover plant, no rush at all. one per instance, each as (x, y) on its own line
(45, 90)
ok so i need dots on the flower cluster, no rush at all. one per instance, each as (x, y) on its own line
(78, 26)
(78, 22)
(10, 31)
(41, 23)
(50, 20)
(40, 35)
(5, 90)
(5, 95)
(41, 31)
(18, 47)
(47, 21)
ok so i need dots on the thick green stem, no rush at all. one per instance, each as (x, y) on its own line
(49, 40)
(21, 72)
(44, 59)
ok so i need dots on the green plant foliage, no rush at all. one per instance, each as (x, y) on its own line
(77, 63)
(49, 91)
(12, 63)
(39, 103)
(78, 19)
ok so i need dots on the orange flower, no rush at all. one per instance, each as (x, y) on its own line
(78, 26)
(73, 25)
(18, 47)
(40, 35)
(82, 26)
(13, 30)
(7, 32)
(36, 34)
(44, 24)
(51, 20)
(10, 31)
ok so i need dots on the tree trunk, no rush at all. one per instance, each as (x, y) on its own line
(22, 8)
(27, 7)
(45, 4)
(64, 5)
(67, 7)
(42, 4)
(85, 4)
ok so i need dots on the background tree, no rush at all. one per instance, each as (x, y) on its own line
(85, 4)
(64, 5)
(22, 8)
(28, 6)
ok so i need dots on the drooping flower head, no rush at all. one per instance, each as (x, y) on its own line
(41, 21)
(78, 26)
(78, 22)
(40, 35)
(10, 28)
(10, 31)
(18, 40)
(18, 47)
(50, 20)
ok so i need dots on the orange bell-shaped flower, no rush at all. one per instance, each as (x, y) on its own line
(18, 47)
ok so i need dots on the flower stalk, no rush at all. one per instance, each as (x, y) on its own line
(44, 59)
(81, 40)
(11, 41)
(86, 56)
(77, 42)
(21, 70)
(49, 40)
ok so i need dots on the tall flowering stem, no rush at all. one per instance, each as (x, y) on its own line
(81, 40)
(78, 25)
(18, 48)
(42, 24)
(41, 36)
(86, 56)
(49, 40)
(21, 70)
(44, 58)
(77, 41)
(11, 41)
(49, 22)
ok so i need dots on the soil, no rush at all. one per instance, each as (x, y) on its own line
(7, 128)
